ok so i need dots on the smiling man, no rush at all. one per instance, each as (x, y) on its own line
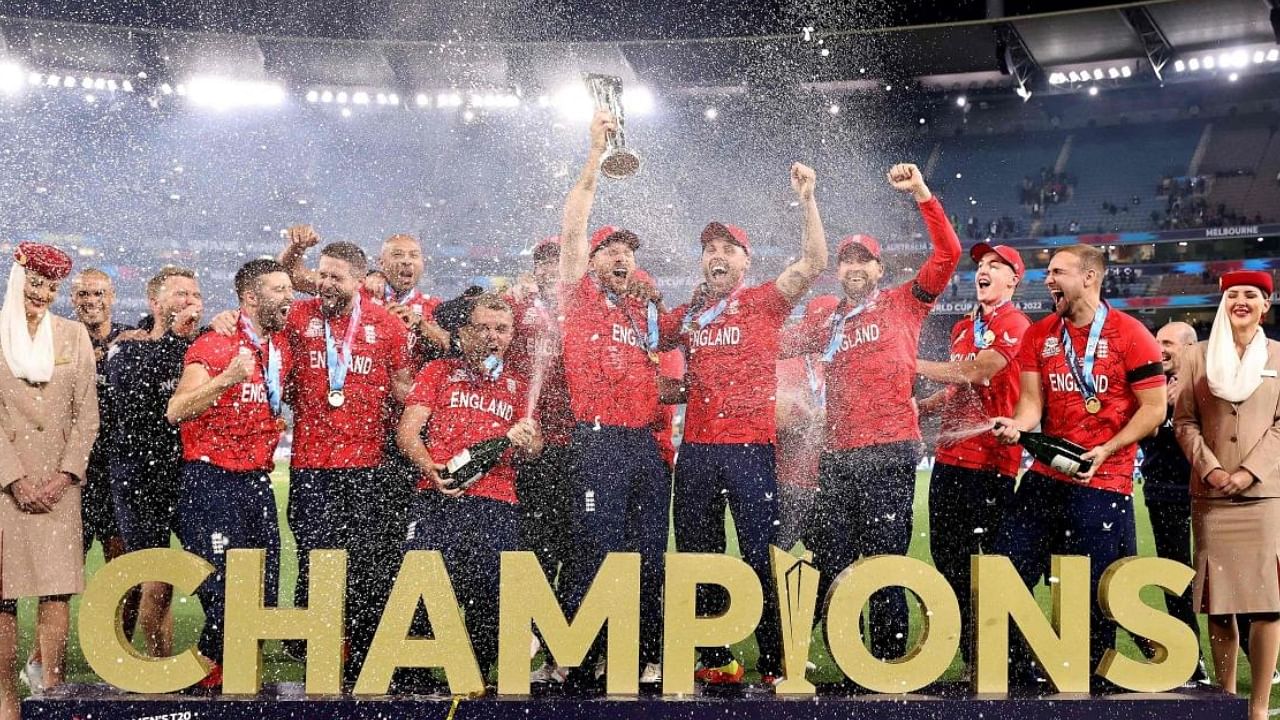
(732, 335)
(866, 474)
(973, 477)
(228, 404)
(1091, 375)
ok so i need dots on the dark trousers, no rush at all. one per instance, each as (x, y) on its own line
(97, 508)
(355, 510)
(708, 478)
(470, 533)
(220, 510)
(1171, 528)
(624, 494)
(966, 510)
(144, 494)
(1051, 517)
(546, 487)
(864, 508)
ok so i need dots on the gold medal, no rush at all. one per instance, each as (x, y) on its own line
(336, 398)
(653, 357)
(1092, 405)
(988, 338)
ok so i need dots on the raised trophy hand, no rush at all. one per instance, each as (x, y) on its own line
(803, 180)
(602, 124)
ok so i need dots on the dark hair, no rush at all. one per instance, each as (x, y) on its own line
(349, 253)
(250, 273)
(158, 280)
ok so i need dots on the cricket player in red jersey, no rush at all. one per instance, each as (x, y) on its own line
(973, 476)
(611, 346)
(351, 363)
(1092, 375)
(227, 405)
(462, 402)
(731, 333)
(866, 476)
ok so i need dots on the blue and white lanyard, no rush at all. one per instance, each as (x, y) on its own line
(837, 325)
(271, 375)
(1084, 375)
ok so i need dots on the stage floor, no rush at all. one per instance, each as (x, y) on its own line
(941, 702)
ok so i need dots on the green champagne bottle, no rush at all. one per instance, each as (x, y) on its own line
(473, 463)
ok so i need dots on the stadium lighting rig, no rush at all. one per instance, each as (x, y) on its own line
(1229, 60)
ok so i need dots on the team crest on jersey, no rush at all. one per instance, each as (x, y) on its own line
(511, 384)
(315, 328)
(370, 336)
(460, 375)
(1103, 348)
(732, 309)
(1051, 347)
(960, 338)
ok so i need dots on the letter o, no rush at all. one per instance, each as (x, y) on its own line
(932, 654)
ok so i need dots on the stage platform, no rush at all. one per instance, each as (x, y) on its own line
(941, 702)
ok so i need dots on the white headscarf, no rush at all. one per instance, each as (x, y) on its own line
(1232, 377)
(29, 358)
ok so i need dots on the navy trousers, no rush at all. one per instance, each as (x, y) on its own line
(1051, 517)
(863, 508)
(708, 478)
(220, 510)
(966, 509)
(624, 495)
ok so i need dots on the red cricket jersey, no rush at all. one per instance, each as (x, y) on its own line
(611, 379)
(421, 304)
(733, 368)
(350, 436)
(969, 408)
(238, 432)
(800, 417)
(670, 365)
(1127, 359)
(870, 380)
(537, 339)
(467, 408)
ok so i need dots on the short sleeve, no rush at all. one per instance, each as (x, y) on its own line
(426, 386)
(1029, 354)
(395, 345)
(771, 300)
(1010, 329)
(577, 295)
(209, 350)
(1142, 359)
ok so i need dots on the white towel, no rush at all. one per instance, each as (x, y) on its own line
(1232, 377)
(29, 358)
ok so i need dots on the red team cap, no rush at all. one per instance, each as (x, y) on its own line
(720, 231)
(868, 244)
(45, 260)
(612, 233)
(547, 247)
(1257, 278)
(1007, 255)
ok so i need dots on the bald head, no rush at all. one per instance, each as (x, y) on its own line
(402, 262)
(92, 296)
(1173, 339)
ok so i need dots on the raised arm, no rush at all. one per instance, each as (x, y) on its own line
(574, 252)
(936, 272)
(299, 238)
(795, 280)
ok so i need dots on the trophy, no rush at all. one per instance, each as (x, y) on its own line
(619, 161)
(796, 582)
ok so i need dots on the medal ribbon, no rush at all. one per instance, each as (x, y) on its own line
(492, 367)
(389, 295)
(709, 315)
(817, 386)
(271, 374)
(650, 341)
(338, 363)
(837, 325)
(1084, 376)
(980, 326)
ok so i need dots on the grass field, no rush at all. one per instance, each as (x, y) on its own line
(188, 617)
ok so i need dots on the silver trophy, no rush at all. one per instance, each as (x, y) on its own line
(619, 161)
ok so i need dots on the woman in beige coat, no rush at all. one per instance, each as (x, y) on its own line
(1227, 420)
(48, 421)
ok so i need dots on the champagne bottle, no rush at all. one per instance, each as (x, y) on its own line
(473, 463)
(1061, 455)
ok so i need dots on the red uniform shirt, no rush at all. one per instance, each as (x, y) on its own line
(733, 368)
(967, 413)
(671, 365)
(870, 380)
(468, 408)
(1127, 359)
(611, 379)
(422, 305)
(350, 436)
(537, 340)
(238, 432)
(800, 421)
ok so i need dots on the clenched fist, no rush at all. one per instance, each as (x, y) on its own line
(302, 236)
(906, 177)
(803, 180)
